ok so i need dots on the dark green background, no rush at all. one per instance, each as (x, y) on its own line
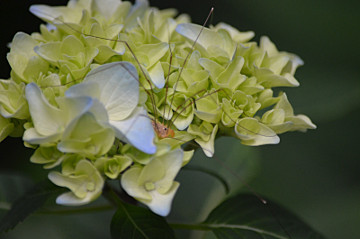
(316, 175)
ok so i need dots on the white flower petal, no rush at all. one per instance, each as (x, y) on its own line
(47, 119)
(161, 203)
(136, 130)
(69, 199)
(129, 182)
(72, 107)
(31, 136)
(50, 14)
(115, 85)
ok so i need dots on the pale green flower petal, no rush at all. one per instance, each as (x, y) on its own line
(32, 136)
(70, 55)
(252, 132)
(105, 53)
(149, 55)
(69, 163)
(129, 181)
(195, 81)
(231, 78)
(251, 86)
(268, 46)
(157, 75)
(301, 123)
(208, 146)
(172, 162)
(153, 52)
(152, 172)
(182, 122)
(85, 184)
(184, 110)
(23, 59)
(285, 105)
(230, 113)
(86, 136)
(268, 79)
(209, 108)
(153, 184)
(235, 34)
(106, 8)
(275, 63)
(208, 38)
(214, 68)
(12, 100)
(49, 156)
(293, 64)
(187, 157)
(274, 116)
(113, 166)
(46, 118)
(49, 51)
(49, 122)
(266, 99)
(6, 127)
(275, 119)
(179, 139)
(137, 10)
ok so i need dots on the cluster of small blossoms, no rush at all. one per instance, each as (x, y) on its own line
(85, 93)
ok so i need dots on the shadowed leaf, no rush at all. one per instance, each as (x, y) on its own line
(132, 222)
(244, 216)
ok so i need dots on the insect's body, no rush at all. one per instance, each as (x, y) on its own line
(162, 131)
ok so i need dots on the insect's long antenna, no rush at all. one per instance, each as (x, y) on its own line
(152, 98)
(188, 55)
(168, 76)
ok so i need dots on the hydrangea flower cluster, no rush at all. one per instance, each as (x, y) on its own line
(85, 93)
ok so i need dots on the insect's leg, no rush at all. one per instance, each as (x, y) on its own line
(188, 55)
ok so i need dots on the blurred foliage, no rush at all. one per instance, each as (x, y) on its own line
(316, 175)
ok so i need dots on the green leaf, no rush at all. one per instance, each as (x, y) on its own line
(28, 203)
(245, 216)
(136, 222)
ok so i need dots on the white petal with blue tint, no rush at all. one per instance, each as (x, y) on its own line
(136, 130)
(115, 85)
